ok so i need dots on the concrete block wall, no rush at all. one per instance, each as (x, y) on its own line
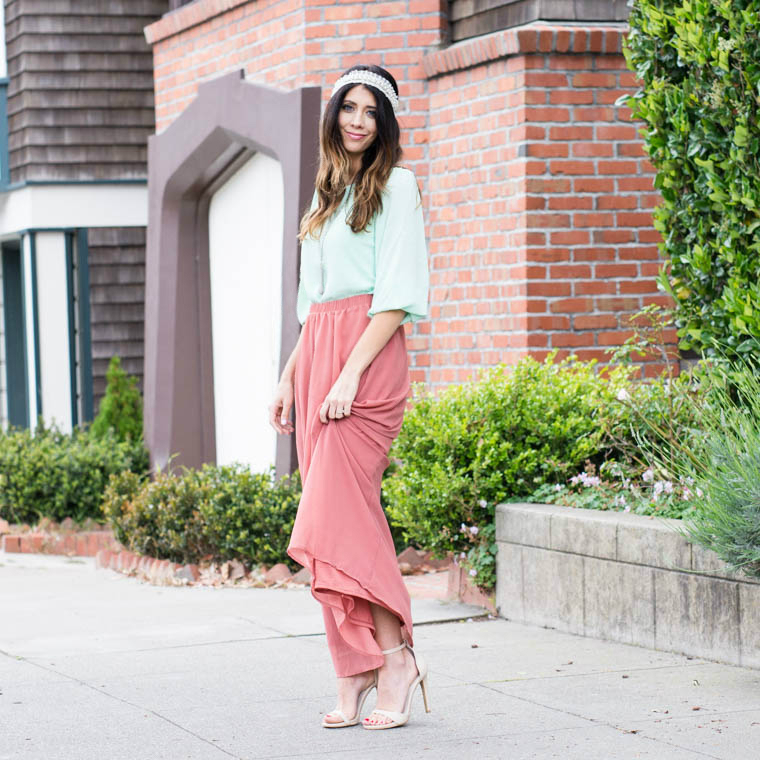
(626, 578)
(537, 193)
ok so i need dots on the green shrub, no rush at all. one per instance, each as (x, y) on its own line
(699, 61)
(47, 473)
(217, 512)
(656, 413)
(723, 467)
(498, 438)
(121, 407)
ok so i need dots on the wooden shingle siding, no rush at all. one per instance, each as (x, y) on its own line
(471, 18)
(80, 96)
(117, 294)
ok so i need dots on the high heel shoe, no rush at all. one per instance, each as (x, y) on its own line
(400, 718)
(363, 694)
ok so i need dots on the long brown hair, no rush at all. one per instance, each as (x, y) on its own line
(334, 170)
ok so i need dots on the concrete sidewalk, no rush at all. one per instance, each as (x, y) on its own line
(95, 664)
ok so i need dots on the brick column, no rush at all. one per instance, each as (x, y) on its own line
(540, 199)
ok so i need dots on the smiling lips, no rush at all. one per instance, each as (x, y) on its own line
(355, 136)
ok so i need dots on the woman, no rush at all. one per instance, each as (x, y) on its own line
(363, 275)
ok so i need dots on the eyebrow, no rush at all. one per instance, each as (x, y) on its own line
(353, 103)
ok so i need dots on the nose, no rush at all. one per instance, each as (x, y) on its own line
(357, 119)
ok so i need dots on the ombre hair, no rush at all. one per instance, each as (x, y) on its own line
(334, 171)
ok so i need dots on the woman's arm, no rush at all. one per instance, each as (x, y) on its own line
(279, 409)
(289, 370)
(376, 334)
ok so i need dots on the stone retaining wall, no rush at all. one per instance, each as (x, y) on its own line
(626, 578)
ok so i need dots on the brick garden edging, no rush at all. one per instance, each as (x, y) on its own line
(461, 588)
(162, 572)
(85, 543)
(625, 578)
(110, 554)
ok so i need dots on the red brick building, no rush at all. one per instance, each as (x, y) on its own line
(537, 192)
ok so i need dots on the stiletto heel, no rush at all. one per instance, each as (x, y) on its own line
(400, 718)
(363, 694)
(423, 686)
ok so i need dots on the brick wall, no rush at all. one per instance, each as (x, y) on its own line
(538, 197)
(294, 43)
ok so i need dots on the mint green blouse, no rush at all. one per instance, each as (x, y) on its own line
(387, 259)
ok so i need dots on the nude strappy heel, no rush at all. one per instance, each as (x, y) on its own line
(363, 694)
(400, 718)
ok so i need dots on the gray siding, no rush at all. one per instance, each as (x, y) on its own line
(471, 18)
(117, 295)
(80, 97)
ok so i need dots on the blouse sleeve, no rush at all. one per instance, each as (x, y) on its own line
(401, 267)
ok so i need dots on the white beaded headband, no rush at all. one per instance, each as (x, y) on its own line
(369, 77)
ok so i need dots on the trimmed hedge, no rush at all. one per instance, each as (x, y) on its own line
(47, 473)
(699, 61)
(217, 513)
(477, 444)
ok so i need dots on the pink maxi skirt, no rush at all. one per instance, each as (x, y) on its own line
(340, 533)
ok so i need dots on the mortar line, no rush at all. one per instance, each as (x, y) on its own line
(682, 570)
(601, 722)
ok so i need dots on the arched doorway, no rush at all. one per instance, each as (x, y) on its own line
(228, 123)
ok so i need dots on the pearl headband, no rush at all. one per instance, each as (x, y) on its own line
(370, 78)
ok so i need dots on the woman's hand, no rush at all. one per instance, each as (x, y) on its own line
(279, 409)
(337, 403)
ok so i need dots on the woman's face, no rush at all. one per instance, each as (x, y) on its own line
(356, 120)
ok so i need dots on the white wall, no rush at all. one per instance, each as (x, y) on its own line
(26, 264)
(245, 251)
(75, 205)
(53, 319)
(3, 388)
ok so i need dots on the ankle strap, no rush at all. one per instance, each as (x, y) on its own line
(395, 649)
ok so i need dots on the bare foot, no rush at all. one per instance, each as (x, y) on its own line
(348, 695)
(393, 681)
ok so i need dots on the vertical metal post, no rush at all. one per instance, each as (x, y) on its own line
(35, 327)
(85, 340)
(69, 241)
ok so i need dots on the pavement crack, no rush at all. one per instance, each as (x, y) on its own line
(156, 714)
(593, 673)
(599, 722)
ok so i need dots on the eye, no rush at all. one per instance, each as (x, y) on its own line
(347, 107)
(371, 114)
